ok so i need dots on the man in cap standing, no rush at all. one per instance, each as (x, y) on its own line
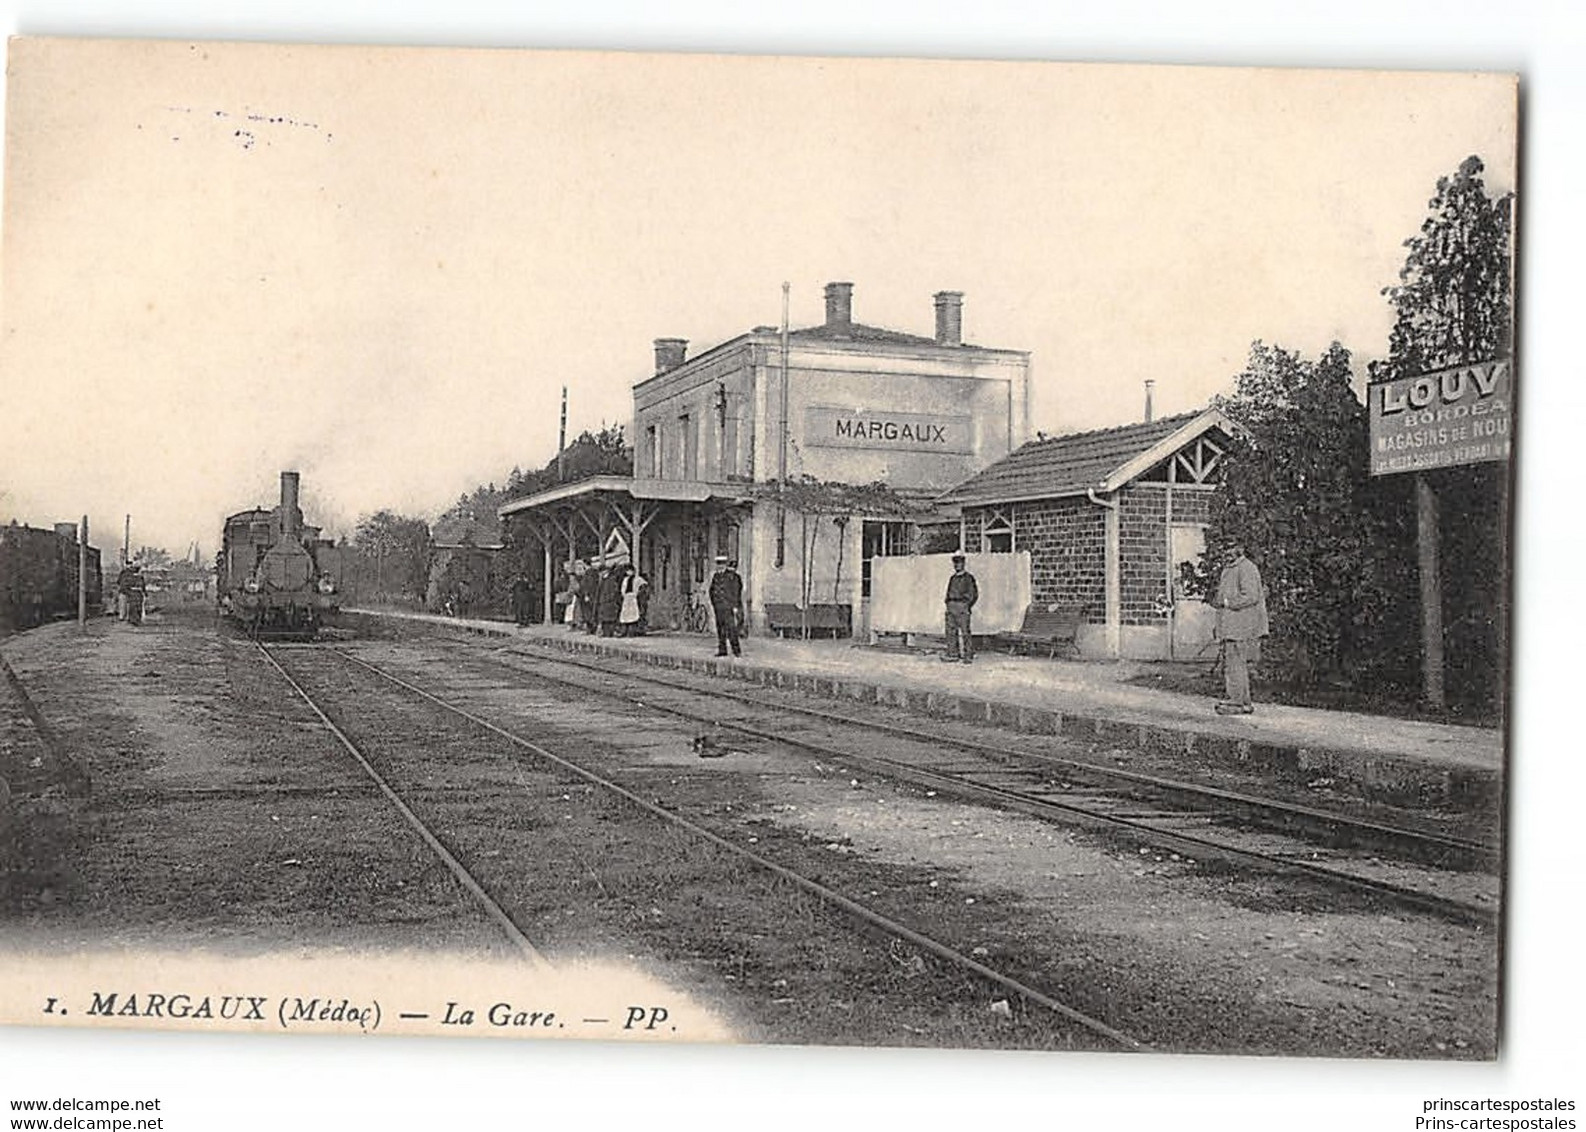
(726, 604)
(962, 593)
(1241, 623)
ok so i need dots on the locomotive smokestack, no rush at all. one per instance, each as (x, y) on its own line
(291, 517)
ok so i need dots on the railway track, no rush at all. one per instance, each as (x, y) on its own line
(459, 870)
(1201, 822)
(845, 906)
(70, 770)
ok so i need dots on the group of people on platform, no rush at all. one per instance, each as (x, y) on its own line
(611, 600)
(614, 600)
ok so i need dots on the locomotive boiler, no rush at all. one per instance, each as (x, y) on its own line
(276, 576)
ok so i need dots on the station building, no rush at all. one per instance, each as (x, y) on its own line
(841, 402)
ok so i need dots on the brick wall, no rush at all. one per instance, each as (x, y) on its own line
(1066, 541)
(1144, 546)
(1142, 538)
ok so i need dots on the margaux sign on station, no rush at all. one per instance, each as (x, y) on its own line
(1459, 415)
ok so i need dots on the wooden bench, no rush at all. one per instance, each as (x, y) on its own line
(1049, 627)
(786, 619)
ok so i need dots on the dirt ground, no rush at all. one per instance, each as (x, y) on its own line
(202, 799)
(175, 801)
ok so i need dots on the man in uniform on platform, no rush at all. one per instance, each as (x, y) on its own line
(726, 604)
(1241, 623)
(962, 593)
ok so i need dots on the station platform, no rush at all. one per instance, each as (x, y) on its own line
(1394, 760)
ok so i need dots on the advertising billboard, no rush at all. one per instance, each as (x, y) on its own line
(1461, 415)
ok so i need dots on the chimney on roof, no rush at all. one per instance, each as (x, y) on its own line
(949, 318)
(1149, 386)
(839, 304)
(670, 353)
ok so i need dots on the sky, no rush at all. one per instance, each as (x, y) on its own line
(391, 455)
(379, 267)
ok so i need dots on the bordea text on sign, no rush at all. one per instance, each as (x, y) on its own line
(1461, 415)
(836, 427)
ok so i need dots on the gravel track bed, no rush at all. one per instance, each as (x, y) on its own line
(219, 814)
(1182, 956)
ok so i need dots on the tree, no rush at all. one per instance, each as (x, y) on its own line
(1297, 494)
(1453, 299)
(399, 547)
(1454, 306)
(480, 505)
(603, 453)
(152, 557)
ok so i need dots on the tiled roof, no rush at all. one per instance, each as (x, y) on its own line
(1067, 465)
(452, 530)
(858, 332)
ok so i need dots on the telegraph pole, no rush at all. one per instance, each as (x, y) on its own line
(1428, 561)
(561, 443)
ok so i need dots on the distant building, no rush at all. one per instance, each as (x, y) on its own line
(1107, 518)
(39, 574)
(840, 402)
(464, 565)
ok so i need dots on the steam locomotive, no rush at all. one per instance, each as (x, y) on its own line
(276, 576)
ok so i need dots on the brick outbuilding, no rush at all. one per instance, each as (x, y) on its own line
(464, 565)
(1107, 517)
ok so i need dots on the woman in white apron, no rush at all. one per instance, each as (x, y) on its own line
(628, 618)
(633, 603)
(572, 615)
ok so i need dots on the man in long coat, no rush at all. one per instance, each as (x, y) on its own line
(726, 605)
(1241, 623)
(609, 600)
(522, 599)
(589, 597)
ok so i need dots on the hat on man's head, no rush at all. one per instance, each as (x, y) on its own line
(721, 560)
(959, 558)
